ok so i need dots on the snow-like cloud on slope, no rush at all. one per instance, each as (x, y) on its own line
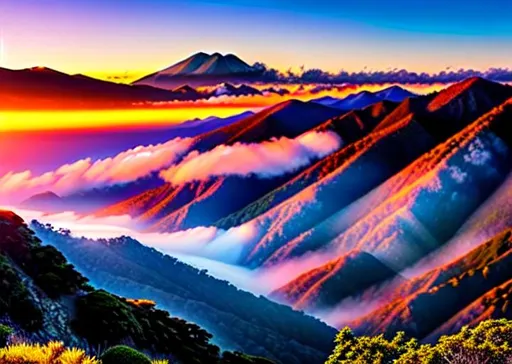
(267, 159)
(86, 173)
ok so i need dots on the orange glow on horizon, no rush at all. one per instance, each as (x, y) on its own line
(78, 119)
(175, 112)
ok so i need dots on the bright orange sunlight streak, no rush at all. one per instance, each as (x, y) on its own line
(75, 119)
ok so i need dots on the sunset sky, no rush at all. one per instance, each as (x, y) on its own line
(130, 38)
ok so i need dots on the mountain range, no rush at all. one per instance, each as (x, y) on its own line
(363, 99)
(41, 87)
(45, 88)
(409, 177)
(403, 225)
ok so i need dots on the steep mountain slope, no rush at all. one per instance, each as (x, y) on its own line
(413, 217)
(355, 170)
(288, 119)
(217, 201)
(407, 138)
(442, 300)
(44, 298)
(339, 279)
(357, 123)
(238, 319)
(410, 109)
(204, 202)
(450, 110)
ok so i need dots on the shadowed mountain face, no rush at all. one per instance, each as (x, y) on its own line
(41, 87)
(203, 69)
(419, 209)
(288, 119)
(337, 280)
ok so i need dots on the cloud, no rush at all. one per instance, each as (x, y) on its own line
(400, 76)
(477, 155)
(266, 159)
(86, 173)
(210, 248)
(207, 248)
(204, 241)
(457, 174)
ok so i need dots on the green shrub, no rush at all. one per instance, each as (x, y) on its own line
(5, 332)
(124, 354)
(490, 342)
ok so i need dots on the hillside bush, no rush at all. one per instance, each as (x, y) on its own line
(124, 354)
(490, 342)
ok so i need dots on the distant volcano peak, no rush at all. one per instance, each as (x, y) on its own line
(202, 69)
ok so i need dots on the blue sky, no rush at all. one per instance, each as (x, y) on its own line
(138, 36)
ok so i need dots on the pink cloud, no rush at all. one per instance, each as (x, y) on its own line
(86, 173)
(266, 159)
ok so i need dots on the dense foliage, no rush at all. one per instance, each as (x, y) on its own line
(21, 253)
(33, 276)
(238, 319)
(123, 354)
(106, 319)
(490, 342)
(45, 264)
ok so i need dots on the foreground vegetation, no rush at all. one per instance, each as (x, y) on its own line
(490, 342)
(236, 319)
(43, 298)
(56, 352)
